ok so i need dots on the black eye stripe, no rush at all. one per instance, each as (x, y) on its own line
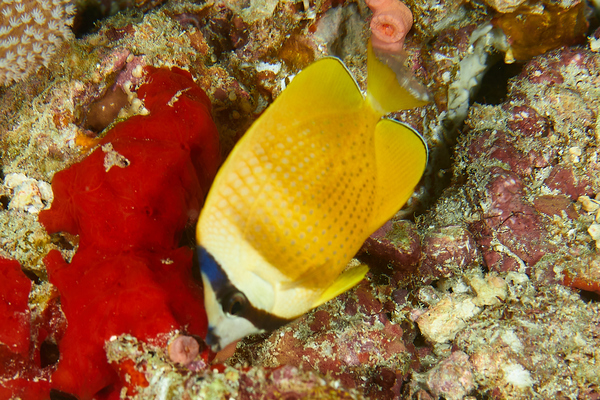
(235, 304)
(223, 288)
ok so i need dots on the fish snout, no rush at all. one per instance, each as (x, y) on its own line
(213, 340)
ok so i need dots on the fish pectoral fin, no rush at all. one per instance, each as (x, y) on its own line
(347, 280)
(401, 155)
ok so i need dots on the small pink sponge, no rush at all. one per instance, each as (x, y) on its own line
(390, 24)
(183, 349)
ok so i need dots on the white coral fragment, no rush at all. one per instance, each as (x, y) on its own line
(27, 194)
(589, 205)
(112, 158)
(442, 322)
(516, 375)
(594, 231)
(491, 290)
(505, 6)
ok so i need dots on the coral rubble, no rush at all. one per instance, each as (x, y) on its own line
(222, 382)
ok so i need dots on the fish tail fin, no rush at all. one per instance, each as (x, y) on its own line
(390, 85)
(401, 155)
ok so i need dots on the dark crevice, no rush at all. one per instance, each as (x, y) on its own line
(589, 296)
(58, 395)
(494, 85)
(188, 238)
(32, 276)
(49, 354)
(419, 340)
(64, 240)
(196, 275)
(4, 200)
(87, 17)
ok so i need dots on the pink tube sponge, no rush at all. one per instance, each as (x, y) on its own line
(390, 23)
(183, 349)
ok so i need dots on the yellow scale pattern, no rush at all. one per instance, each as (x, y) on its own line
(304, 203)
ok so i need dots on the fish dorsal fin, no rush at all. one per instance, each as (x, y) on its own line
(401, 157)
(347, 280)
(325, 86)
(384, 91)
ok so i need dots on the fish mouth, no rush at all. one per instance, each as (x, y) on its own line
(213, 340)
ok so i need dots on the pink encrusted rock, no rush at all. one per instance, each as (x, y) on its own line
(501, 146)
(111, 63)
(493, 259)
(510, 231)
(320, 322)
(548, 70)
(543, 138)
(362, 301)
(504, 190)
(350, 339)
(555, 205)
(440, 63)
(453, 378)
(446, 251)
(131, 72)
(350, 354)
(563, 180)
(396, 246)
(526, 121)
(289, 382)
(536, 72)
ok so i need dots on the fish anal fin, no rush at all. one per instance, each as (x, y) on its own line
(401, 157)
(347, 280)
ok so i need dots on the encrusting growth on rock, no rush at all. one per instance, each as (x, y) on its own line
(30, 31)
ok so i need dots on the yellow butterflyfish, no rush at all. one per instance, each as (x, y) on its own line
(313, 177)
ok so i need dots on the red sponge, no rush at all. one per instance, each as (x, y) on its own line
(129, 202)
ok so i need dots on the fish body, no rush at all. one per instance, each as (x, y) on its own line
(313, 177)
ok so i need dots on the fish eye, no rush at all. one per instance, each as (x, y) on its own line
(235, 303)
